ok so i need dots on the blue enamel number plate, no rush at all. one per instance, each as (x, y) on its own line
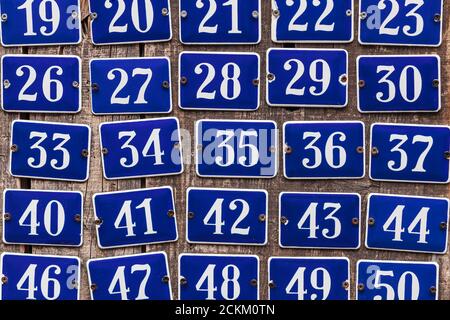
(323, 150)
(309, 278)
(407, 223)
(307, 78)
(220, 21)
(43, 217)
(409, 153)
(131, 86)
(136, 217)
(397, 280)
(219, 81)
(33, 23)
(227, 216)
(399, 83)
(39, 277)
(135, 277)
(231, 148)
(36, 83)
(50, 150)
(130, 21)
(320, 220)
(141, 148)
(312, 21)
(200, 275)
(400, 22)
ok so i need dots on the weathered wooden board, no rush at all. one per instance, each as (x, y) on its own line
(274, 186)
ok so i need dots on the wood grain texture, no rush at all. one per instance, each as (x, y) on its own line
(180, 183)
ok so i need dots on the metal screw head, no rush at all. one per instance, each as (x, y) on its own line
(371, 221)
(343, 79)
(287, 149)
(93, 287)
(95, 87)
(74, 14)
(348, 12)
(98, 221)
(14, 148)
(283, 220)
(436, 83)
(183, 80)
(171, 213)
(270, 76)
(363, 15)
(355, 221)
(375, 151)
(4, 279)
(105, 151)
(361, 83)
(437, 17)
(443, 225)
(255, 82)
(360, 149)
(74, 284)
(183, 281)
(345, 285)
(262, 217)
(433, 290)
(165, 84)
(255, 14)
(165, 11)
(165, 279)
(183, 14)
(276, 13)
(447, 155)
(272, 149)
(85, 153)
(94, 15)
(6, 83)
(361, 287)
(4, 17)
(191, 215)
(75, 84)
(254, 282)
(7, 216)
(77, 218)
(271, 284)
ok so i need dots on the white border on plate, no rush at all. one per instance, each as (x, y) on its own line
(130, 113)
(399, 56)
(80, 91)
(404, 125)
(97, 227)
(53, 123)
(325, 178)
(47, 44)
(197, 123)
(253, 256)
(228, 190)
(44, 191)
(220, 43)
(130, 256)
(378, 262)
(142, 120)
(369, 197)
(399, 44)
(131, 42)
(78, 286)
(320, 193)
(308, 259)
(287, 105)
(274, 22)
(258, 102)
